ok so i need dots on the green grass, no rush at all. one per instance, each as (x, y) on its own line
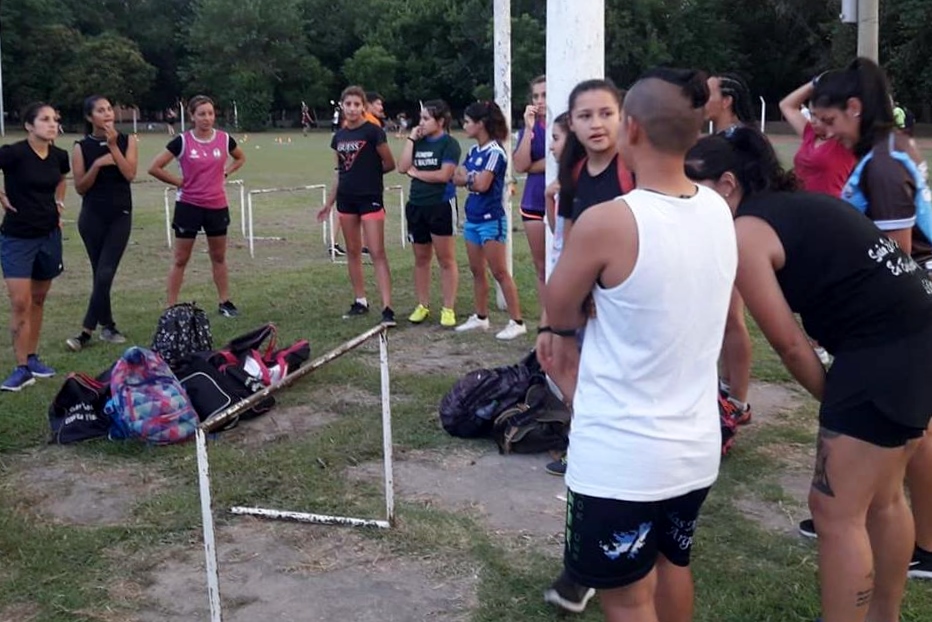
(742, 571)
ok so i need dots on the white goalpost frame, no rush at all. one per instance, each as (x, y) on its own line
(217, 421)
(168, 207)
(502, 44)
(249, 220)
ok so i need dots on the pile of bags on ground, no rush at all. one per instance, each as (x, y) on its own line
(161, 394)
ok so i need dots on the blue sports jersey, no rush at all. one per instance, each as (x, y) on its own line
(485, 206)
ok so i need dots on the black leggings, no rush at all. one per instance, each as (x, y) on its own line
(105, 240)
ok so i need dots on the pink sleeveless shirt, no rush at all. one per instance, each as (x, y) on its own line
(202, 164)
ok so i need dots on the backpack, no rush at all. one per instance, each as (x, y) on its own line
(246, 359)
(77, 411)
(212, 390)
(182, 329)
(147, 400)
(471, 406)
(728, 417)
(539, 422)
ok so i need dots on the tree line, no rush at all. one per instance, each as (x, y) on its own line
(270, 55)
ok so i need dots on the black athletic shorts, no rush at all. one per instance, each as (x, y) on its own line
(361, 206)
(611, 544)
(189, 219)
(881, 395)
(425, 221)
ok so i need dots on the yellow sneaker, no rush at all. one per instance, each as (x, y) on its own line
(447, 317)
(419, 314)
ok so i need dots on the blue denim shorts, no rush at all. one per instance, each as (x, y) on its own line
(489, 231)
(39, 259)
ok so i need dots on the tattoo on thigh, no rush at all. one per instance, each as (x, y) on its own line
(820, 480)
(863, 597)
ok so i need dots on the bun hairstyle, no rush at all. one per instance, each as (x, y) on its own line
(733, 86)
(197, 101)
(864, 80)
(439, 110)
(573, 150)
(489, 115)
(747, 154)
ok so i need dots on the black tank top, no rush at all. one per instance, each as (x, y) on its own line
(852, 286)
(110, 195)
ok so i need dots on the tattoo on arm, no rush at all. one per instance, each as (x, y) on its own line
(820, 480)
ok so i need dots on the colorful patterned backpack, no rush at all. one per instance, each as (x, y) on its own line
(148, 402)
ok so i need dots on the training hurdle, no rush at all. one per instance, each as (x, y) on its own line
(168, 207)
(250, 234)
(217, 422)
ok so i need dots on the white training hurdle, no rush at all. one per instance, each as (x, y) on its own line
(217, 422)
(168, 207)
(250, 233)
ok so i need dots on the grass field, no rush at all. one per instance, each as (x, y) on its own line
(57, 568)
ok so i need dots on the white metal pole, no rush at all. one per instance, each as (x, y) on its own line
(252, 249)
(869, 29)
(168, 217)
(575, 52)
(763, 115)
(181, 113)
(502, 24)
(2, 109)
(387, 429)
(235, 115)
(207, 519)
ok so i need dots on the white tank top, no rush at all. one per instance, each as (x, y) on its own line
(646, 424)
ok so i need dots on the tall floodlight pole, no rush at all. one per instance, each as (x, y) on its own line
(869, 29)
(575, 52)
(502, 25)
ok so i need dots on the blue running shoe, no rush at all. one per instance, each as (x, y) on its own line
(38, 368)
(20, 378)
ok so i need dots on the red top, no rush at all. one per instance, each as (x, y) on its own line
(823, 167)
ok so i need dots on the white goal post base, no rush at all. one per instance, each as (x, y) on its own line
(250, 225)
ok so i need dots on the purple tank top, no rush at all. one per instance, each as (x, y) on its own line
(533, 198)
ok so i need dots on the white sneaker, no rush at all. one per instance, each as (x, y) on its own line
(512, 330)
(472, 323)
(824, 357)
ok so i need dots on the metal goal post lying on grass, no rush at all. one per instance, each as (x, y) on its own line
(217, 422)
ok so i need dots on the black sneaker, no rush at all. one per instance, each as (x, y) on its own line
(337, 250)
(357, 309)
(228, 309)
(807, 529)
(365, 250)
(921, 565)
(568, 595)
(79, 341)
(388, 317)
(557, 467)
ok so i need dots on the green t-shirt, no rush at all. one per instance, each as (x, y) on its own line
(430, 154)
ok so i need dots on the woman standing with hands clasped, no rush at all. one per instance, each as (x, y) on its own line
(104, 165)
(530, 157)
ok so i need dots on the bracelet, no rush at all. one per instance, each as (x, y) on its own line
(411, 139)
(544, 329)
(565, 332)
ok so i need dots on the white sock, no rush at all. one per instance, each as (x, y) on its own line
(742, 406)
(363, 301)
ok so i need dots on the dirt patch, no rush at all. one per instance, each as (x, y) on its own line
(21, 612)
(280, 571)
(430, 350)
(287, 422)
(511, 494)
(56, 485)
(770, 400)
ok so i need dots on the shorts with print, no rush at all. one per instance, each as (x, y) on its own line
(190, 219)
(611, 543)
(425, 221)
(362, 207)
(488, 231)
(39, 259)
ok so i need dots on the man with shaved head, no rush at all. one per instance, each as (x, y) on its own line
(645, 444)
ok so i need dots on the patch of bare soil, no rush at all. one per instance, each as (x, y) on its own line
(287, 572)
(431, 350)
(510, 494)
(20, 612)
(280, 422)
(56, 485)
(770, 400)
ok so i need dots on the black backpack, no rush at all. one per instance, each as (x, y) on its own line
(77, 412)
(471, 406)
(212, 390)
(540, 422)
(183, 329)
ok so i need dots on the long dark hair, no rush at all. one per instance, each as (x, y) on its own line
(489, 115)
(747, 154)
(439, 110)
(573, 150)
(31, 111)
(732, 85)
(864, 80)
(88, 109)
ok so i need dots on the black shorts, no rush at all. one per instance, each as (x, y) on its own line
(189, 219)
(425, 221)
(611, 544)
(531, 215)
(360, 206)
(882, 394)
